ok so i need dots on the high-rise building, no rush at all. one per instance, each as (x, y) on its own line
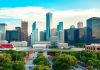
(24, 31)
(66, 35)
(93, 30)
(72, 35)
(61, 36)
(61, 25)
(53, 32)
(48, 25)
(34, 34)
(42, 36)
(12, 35)
(19, 32)
(34, 26)
(81, 32)
(3, 28)
(81, 35)
(80, 24)
(60, 32)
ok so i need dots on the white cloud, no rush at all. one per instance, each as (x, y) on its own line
(31, 14)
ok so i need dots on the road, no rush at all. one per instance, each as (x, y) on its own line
(29, 65)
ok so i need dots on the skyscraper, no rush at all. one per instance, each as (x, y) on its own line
(61, 25)
(12, 35)
(34, 26)
(24, 31)
(60, 32)
(53, 32)
(72, 35)
(48, 23)
(66, 35)
(3, 30)
(81, 32)
(80, 24)
(34, 34)
(42, 36)
(19, 32)
(93, 30)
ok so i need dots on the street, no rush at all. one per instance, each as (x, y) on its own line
(29, 65)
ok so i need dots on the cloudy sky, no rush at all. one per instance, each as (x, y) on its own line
(12, 12)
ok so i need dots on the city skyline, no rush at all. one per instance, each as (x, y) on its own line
(71, 12)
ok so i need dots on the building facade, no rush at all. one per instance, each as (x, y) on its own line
(24, 31)
(34, 34)
(48, 25)
(3, 28)
(12, 35)
(66, 35)
(19, 32)
(93, 30)
(42, 36)
(80, 24)
(92, 47)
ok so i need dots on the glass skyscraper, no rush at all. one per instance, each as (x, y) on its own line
(12, 35)
(34, 26)
(48, 23)
(34, 34)
(93, 30)
(3, 30)
(60, 25)
(60, 32)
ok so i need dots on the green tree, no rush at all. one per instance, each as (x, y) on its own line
(41, 67)
(19, 65)
(40, 60)
(7, 66)
(64, 62)
(90, 63)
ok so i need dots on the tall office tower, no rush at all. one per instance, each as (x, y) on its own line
(80, 24)
(81, 32)
(24, 31)
(93, 30)
(60, 32)
(72, 35)
(81, 35)
(48, 23)
(42, 36)
(66, 35)
(3, 28)
(61, 25)
(61, 36)
(34, 34)
(19, 32)
(12, 35)
(0, 35)
(34, 26)
(53, 32)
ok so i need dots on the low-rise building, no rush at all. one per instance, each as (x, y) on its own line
(3, 41)
(7, 47)
(19, 43)
(63, 45)
(93, 47)
(39, 47)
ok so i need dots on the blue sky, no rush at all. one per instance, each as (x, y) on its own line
(12, 12)
(55, 4)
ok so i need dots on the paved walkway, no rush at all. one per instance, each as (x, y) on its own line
(29, 65)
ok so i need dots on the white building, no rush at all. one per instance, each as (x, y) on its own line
(19, 43)
(63, 45)
(39, 46)
(3, 41)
